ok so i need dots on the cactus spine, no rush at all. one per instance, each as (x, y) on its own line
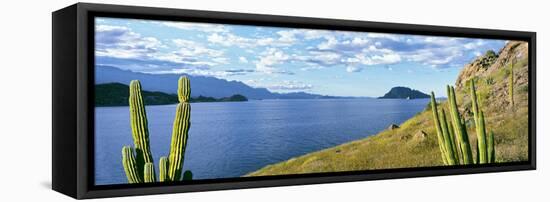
(138, 165)
(452, 136)
(180, 131)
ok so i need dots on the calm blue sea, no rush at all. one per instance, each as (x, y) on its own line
(230, 139)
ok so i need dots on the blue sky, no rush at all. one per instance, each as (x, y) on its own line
(338, 63)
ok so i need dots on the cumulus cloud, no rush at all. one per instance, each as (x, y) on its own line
(230, 39)
(275, 50)
(203, 27)
(121, 47)
(121, 42)
(189, 48)
(269, 59)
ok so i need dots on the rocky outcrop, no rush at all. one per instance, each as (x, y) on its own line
(489, 63)
(492, 74)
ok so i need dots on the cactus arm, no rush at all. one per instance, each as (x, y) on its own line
(180, 130)
(439, 131)
(138, 121)
(149, 173)
(163, 169)
(447, 139)
(454, 146)
(460, 130)
(480, 126)
(130, 165)
(511, 84)
(482, 143)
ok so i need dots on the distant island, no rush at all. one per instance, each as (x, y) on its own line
(404, 93)
(116, 94)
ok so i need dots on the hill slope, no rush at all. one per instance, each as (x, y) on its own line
(414, 144)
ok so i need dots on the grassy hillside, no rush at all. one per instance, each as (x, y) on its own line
(414, 144)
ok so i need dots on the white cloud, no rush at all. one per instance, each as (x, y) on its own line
(393, 37)
(192, 49)
(243, 59)
(121, 42)
(285, 85)
(221, 60)
(229, 39)
(319, 58)
(353, 69)
(204, 27)
(269, 59)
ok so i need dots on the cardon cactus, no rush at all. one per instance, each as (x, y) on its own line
(511, 83)
(452, 136)
(138, 123)
(180, 130)
(138, 165)
(480, 126)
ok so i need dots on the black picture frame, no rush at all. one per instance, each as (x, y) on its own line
(73, 108)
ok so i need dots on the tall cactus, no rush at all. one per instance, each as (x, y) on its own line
(511, 83)
(180, 130)
(459, 127)
(138, 165)
(438, 129)
(140, 130)
(453, 141)
(480, 125)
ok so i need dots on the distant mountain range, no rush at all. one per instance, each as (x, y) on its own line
(200, 85)
(404, 93)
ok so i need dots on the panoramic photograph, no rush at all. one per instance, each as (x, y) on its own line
(183, 101)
